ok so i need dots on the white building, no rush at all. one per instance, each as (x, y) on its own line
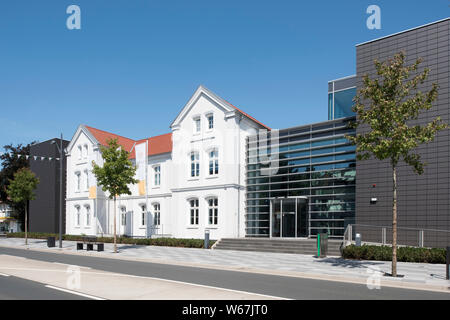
(7, 222)
(195, 176)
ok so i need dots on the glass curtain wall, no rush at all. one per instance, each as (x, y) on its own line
(315, 161)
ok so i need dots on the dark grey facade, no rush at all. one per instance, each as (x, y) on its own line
(44, 211)
(424, 200)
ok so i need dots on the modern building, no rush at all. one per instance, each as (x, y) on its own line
(43, 215)
(222, 170)
(424, 200)
(301, 181)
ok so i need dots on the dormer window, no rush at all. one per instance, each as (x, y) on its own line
(197, 124)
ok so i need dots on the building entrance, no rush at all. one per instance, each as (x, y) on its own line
(289, 218)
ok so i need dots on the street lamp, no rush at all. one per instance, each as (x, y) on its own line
(61, 152)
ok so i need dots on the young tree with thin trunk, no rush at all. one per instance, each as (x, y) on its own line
(115, 175)
(21, 190)
(387, 106)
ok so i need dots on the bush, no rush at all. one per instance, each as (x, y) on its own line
(404, 254)
(167, 242)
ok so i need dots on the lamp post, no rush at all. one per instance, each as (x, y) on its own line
(61, 152)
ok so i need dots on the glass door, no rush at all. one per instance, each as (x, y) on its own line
(288, 214)
(289, 218)
(275, 217)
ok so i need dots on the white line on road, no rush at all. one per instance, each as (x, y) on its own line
(75, 292)
(4, 274)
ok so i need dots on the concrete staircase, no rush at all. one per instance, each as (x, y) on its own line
(295, 246)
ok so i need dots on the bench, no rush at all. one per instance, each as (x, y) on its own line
(90, 241)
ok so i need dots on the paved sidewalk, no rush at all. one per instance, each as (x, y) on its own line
(416, 275)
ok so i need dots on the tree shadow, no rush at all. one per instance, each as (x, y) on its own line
(345, 263)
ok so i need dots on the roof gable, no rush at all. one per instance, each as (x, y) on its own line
(228, 107)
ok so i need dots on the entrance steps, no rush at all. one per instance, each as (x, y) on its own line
(295, 246)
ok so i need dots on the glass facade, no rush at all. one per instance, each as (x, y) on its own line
(340, 97)
(314, 163)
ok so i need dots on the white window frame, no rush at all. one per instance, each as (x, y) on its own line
(78, 181)
(197, 124)
(195, 164)
(210, 121)
(143, 215)
(123, 216)
(213, 211)
(213, 156)
(88, 215)
(194, 211)
(157, 175)
(85, 148)
(78, 216)
(156, 214)
(80, 152)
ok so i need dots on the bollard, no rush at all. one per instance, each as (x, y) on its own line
(206, 243)
(358, 240)
(447, 263)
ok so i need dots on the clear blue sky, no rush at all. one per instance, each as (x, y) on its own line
(135, 63)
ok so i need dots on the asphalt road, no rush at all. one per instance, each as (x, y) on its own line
(280, 286)
(13, 288)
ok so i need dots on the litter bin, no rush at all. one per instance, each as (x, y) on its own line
(322, 245)
(51, 242)
(358, 240)
(206, 242)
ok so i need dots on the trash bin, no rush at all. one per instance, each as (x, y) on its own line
(51, 242)
(322, 245)
(206, 242)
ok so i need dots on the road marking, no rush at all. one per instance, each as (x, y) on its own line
(75, 292)
(70, 265)
(4, 274)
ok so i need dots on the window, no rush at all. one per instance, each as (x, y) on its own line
(143, 213)
(78, 178)
(156, 214)
(79, 152)
(210, 118)
(193, 211)
(88, 215)
(123, 211)
(157, 175)
(86, 173)
(85, 151)
(195, 164)
(197, 124)
(212, 211)
(213, 162)
(78, 215)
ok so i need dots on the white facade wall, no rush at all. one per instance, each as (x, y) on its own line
(177, 187)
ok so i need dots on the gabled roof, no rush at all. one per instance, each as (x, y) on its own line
(221, 102)
(156, 145)
(103, 136)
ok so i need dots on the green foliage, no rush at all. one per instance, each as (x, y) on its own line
(166, 242)
(117, 171)
(404, 254)
(11, 163)
(21, 188)
(387, 104)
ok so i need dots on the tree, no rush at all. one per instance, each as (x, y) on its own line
(21, 190)
(387, 106)
(12, 160)
(115, 175)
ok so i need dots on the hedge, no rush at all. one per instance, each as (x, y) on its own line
(404, 254)
(168, 242)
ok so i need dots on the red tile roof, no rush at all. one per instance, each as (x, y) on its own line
(248, 116)
(156, 145)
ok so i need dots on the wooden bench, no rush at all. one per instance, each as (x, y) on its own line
(90, 241)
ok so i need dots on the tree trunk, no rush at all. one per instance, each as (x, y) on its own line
(26, 224)
(115, 237)
(394, 222)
